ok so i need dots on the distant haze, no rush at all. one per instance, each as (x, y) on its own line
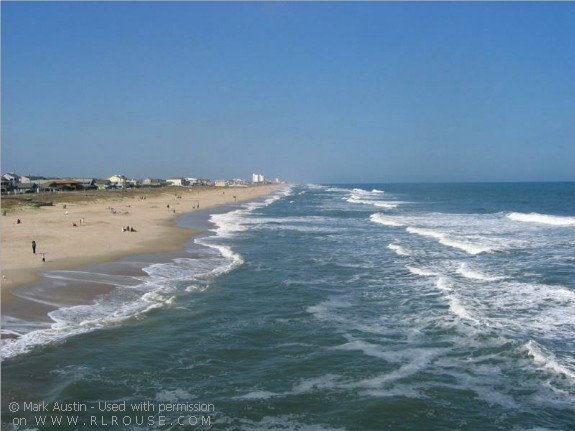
(314, 92)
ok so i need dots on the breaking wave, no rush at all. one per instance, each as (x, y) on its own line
(542, 219)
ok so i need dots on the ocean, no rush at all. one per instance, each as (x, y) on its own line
(323, 307)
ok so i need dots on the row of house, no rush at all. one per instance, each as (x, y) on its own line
(16, 184)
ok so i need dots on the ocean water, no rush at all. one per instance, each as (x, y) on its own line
(324, 307)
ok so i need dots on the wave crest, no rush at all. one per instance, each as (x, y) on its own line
(542, 219)
(387, 221)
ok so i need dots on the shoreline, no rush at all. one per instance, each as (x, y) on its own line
(84, 233)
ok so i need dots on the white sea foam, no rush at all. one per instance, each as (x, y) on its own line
(443, 283)
(304, 229)
(229, 223)
(493, 396)
(327, 310)
(471, 273)
(542, 218)
(69, 321)
(316, 187)
(418, 360)
(327, 381)
(307, 224)
(392, 354)
(456, 307)
(337, 189)
(370, 349)
(304, 386)
(359, 196)
(451, 242)
(195, 287)
(399, 250)
(380, 204)
(184, 269)
(545, 359)
(233, 259)
(387, 205)
(459, 310)
(420, 271)
(367, 192)
(384, 220)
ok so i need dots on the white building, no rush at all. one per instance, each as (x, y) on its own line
(153, 182)
(176, 182)
(12, 178)
(118, 180)
(258, 178)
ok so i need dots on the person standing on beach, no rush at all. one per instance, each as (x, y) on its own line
(34, 247)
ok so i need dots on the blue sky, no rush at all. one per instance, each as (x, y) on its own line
(310, 92)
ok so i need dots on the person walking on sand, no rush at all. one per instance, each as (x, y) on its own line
(34, 247)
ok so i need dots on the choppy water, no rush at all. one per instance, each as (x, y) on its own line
(357, 307)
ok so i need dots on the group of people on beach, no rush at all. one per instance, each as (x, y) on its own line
(113, 211)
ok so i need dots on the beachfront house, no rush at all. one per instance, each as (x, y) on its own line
(221, 183)
(118, 181)
(177, 182)
(9, 181)
(193, 182)
(12, 178)
(238, 182)
(47, 186)
(23, 188)
(152, 182)
(63, 185)
(87, 183)
(31, 179)
(204, 182)
(102, 184)
(6, 186)
(69, 184)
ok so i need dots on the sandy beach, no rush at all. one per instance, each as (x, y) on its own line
(71, 234)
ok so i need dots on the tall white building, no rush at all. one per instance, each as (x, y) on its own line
(257, 178)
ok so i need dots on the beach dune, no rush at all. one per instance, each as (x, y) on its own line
(69, 235)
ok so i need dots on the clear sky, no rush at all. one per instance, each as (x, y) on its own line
(310, 92)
